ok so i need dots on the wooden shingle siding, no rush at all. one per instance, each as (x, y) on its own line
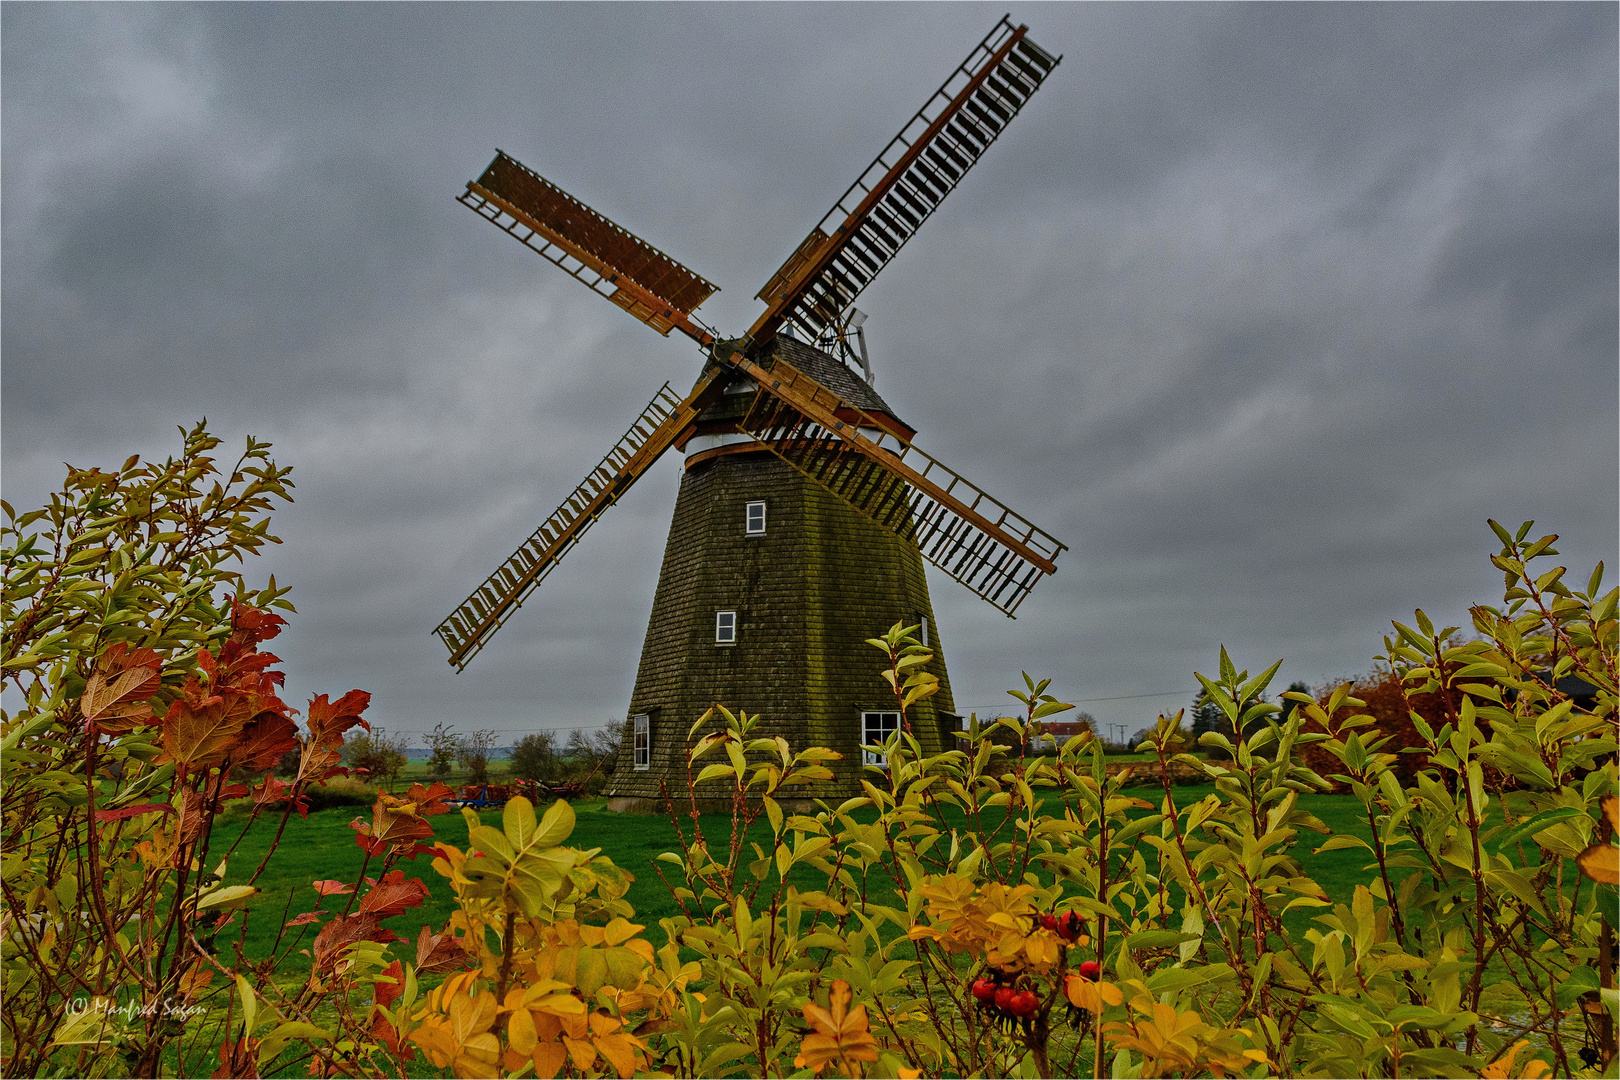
(807, 594)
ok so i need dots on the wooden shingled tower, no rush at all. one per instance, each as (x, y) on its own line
(806, 509)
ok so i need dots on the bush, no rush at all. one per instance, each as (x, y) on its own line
(535, 757)
(142, 694)
(986, 913)
(974, 912)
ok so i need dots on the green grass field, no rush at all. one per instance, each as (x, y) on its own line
(323, 847)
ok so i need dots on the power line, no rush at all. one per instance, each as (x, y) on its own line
(1115, 697)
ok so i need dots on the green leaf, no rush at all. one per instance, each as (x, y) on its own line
(1343, 840)
(1534, 825)
(226, 897)
(1157, 939)
(715, 770)
(517, 819)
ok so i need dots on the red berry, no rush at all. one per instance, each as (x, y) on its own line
(1050, 922)
(1004, 996)
(1090, 971)
(1069, 926)
(1024, 1003)
(984, 990)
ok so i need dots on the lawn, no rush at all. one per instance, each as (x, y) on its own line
(323, 847)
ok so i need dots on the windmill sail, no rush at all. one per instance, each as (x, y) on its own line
(904, 184)
(467, 629)
(609, 259)
(958, 527)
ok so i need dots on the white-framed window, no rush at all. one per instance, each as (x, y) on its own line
(725, 628)
(754, 518)
(643, 741)
(875, 728)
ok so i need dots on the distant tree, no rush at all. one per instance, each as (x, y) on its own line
(444, 746)
(380, 754)
(1207, 716)
(1137, 739)
(535, 757)
(473, 753)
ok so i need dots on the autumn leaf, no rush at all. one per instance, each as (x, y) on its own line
(238, 1058)
(842, 1035)
(199, 729)
(264, 740)
(394, 821)
(1502, 1067)
(437, 953)
(306, 917)
(327, 721)
(430, 800)
(393, 894)
(329, 887)
(341, 931)
(1091, 996)
(133, 811)
(385, 993)
(1601, 861)
(117, 693)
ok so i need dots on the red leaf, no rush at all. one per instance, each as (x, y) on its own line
(266, 737)
(253, 624)
(341, 931)
(385, 994)
(429, 800)
(199, 729)
(133, 811)
(327, 887)
(440, 953)
(306, 917)
(327, 721)
(239, 1059)
(393, 895)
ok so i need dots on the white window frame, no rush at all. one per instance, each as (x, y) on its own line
(725, 628)
(748, 518)
(873, 722)
(922, 630)
(641, 741)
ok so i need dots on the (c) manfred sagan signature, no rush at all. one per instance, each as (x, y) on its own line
(131, 1009)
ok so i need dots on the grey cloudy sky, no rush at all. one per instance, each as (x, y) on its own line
(1262, 309)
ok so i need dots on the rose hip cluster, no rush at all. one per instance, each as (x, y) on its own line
(1067, 927)
(1006, 1001)
(1010, 1000)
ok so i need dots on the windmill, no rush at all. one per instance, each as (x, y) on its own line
(805, 508)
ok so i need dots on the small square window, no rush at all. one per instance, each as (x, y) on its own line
(754, 519)
(875, 728)
(725, 627)
(643, 741)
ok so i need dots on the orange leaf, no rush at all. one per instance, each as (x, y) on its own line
(841, 1034)
(441, 953)
(327, 721)
(117, 693)
(393, 894)
(341, 931)
(266, 737)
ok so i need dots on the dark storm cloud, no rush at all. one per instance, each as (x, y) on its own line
(1262, 309)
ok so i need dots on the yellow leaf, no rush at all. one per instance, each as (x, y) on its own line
(520, 1032)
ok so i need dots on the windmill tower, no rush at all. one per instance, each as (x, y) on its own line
(805, 510)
